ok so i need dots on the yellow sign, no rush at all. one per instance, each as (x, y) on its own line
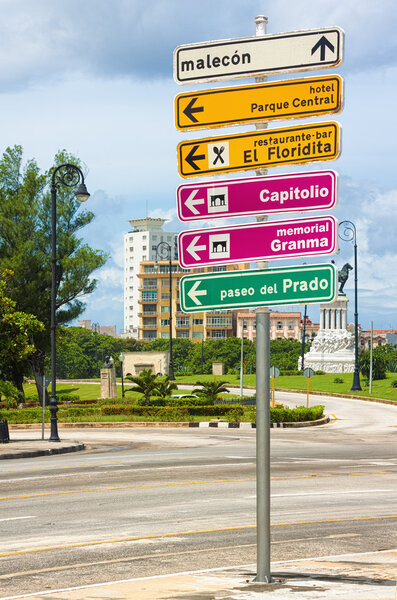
(265, 148)
(296, 98)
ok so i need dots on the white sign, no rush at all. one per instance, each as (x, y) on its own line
(246, 57)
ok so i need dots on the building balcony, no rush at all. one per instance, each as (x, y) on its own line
(148, 327)
(219, 323)
(182, 324)
(147, 287)
(148, 313)
(151, 300)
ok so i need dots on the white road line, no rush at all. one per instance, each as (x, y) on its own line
(185, 573)
(328, 493)
(17, 518)
(214, 466)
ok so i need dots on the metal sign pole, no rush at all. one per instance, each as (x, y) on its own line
(262, 415)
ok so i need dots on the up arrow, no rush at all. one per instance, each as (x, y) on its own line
(192, 201)
(194, 292)
(193, 249)
(322, 44)
(191, 109)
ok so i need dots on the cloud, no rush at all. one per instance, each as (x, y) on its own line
(46, 40)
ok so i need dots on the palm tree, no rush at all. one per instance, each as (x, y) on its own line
(146, 384)
(165, 387)
(211, 389)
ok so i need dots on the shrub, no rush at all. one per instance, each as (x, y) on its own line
(235, 415)
(319, 372)
(290, 373)
(394, 383)
(338, 380)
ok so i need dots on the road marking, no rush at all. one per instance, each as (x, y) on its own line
(330, 493)
(186, 533)
(130, 559)
(16, 518)
(177, 483)
(336, 418)
(215, 465)
(185, 573)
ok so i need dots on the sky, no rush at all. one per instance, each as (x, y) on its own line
(95, 77)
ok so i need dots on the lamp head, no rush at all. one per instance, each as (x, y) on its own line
(81, 193)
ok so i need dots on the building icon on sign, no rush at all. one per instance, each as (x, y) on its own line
(219, 245)
(218, 200)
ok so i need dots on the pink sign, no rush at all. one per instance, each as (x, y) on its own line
(316, 190)
(312, 236)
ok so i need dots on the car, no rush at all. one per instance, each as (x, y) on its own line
(184, 396)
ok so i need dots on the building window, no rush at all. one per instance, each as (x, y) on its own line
(165, 309)
(183, 333)
(149, 335)
(165, 322)
(219, 334)
(219, 268)
(279, 325)
(290, 324)
(182, 322)
(154, 237)
(149, 296)
(198, 334)
(165, 336)
(143, 247)
(197, 321)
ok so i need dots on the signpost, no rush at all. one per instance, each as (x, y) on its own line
(310, 191)
(292, 99)
(308, 372)
(265, 148)
(311, 236)
(303, 284)
(250, 56)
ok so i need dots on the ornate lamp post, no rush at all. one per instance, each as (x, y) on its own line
(164, 252)
(70, 176)
(347, 232)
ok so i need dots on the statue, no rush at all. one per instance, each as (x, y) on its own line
(109, 362)
(343, 275)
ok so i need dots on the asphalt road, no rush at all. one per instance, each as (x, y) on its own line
(142, 502)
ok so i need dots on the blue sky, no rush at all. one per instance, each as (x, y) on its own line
(95, 77)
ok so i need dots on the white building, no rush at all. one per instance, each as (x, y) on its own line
(140, 244)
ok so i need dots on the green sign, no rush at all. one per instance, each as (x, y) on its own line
(306, 284)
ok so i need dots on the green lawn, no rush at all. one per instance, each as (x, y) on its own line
(319, 383)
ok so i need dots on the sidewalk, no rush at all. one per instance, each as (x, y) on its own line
(368, 576)
(25, 448)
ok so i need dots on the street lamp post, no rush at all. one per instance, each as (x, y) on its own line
(121, 359)
(70, 176)
(303, 339)
(95, 326)
(349, 235)
(164, 251)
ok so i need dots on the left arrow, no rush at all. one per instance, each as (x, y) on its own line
(193, 249)
(194, 292)
(191, 157)
(191, 109)
(322, 44)
(191, 202)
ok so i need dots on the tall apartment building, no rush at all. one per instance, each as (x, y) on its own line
(140, 245)
(155, 301)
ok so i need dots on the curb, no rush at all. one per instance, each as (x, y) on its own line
(237, 425)
(49, 452)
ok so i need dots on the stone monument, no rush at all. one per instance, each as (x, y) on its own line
(332, 350)
(108, 379)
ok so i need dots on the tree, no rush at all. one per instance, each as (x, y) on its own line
(182, 350)
(16, 330)
(165, 387)
(379, 363)
(285, 354)
(25, 244)
(146, 384)
(211, 389)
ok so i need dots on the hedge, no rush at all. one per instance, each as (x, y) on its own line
(210, 411)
